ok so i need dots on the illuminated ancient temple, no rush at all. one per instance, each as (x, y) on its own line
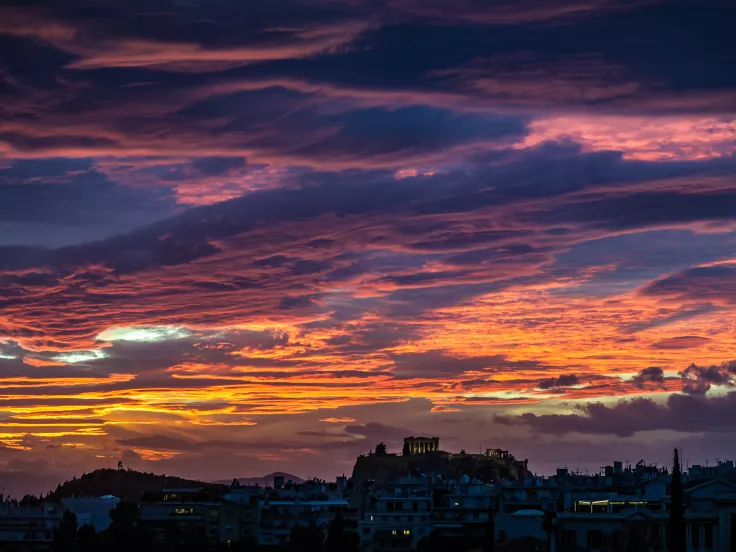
(421, 445)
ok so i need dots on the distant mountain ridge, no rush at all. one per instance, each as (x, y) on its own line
(265, 481)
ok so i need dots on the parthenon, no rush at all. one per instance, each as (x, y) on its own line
(420, 445)
(498, 453)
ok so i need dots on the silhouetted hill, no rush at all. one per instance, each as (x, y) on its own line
(124, 484)
(388, 467)
(265, 481)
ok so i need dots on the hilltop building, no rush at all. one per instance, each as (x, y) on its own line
(420, 445)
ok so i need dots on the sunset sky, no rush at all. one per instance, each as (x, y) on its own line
(246, 236)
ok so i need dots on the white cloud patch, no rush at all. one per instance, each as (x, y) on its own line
(81, 356)
(145, 334)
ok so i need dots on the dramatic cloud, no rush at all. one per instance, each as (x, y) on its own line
(682, 413)
(683, 342)
(242, 237)
(652, 374)
(697, 380)
(565, 380)
(713, 284)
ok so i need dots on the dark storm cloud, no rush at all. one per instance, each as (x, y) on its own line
(697, 380)
(332, 208)
(682, 313)
(376, 433)
(56, 200)
(298, 302)
(637, 76)
(304, 84)
(438, 364)
(684, 413)
(509, 11)
(175, 36)
(547, 172)
(368, 337)
(565, 380)
(652, 374)
(682, 342)
(630, 257)
(640, 210)
(218, 165)
(713, 284)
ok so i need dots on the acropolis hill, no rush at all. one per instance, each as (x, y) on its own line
(422, 455)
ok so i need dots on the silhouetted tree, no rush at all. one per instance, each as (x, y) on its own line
(306, 539)
(65, 535)
(489, 542)
(677, 530)
(125, 530)
(339, 538)
(31, 501)
(87, 540)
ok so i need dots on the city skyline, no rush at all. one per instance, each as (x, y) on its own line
(239, 238)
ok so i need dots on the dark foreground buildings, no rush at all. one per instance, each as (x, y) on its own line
(420, 499)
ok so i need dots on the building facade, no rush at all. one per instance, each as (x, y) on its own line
(30, 529)
(395, 522)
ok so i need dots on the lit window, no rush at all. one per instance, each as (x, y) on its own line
(407, 531)
(393, 532)
(372, 518)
